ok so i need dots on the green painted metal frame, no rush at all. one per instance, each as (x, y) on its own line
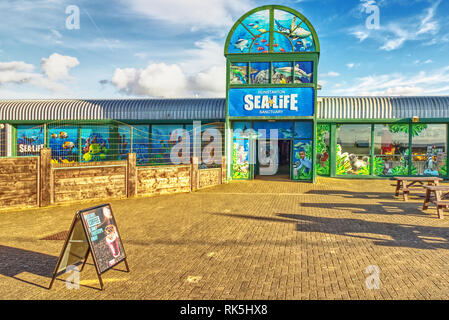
(273, 57)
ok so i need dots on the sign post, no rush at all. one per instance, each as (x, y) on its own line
(93, 230)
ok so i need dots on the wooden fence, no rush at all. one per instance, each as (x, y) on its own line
(35, 181)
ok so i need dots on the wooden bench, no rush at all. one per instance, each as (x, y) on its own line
(437, 195)
(405, 183)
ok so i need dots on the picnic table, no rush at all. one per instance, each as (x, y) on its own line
(405, 183)
(437, 195)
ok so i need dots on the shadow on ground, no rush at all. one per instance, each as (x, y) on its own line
(14, 261)
(414, 194)
(387, 208)
(399, 235)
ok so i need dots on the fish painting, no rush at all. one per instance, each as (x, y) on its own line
(54, 136)
(262, 30)
(241, 44)
(68, 145)
(63, 135)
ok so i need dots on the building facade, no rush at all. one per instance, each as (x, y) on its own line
(271, 114)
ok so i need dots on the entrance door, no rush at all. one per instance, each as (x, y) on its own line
(277, 160)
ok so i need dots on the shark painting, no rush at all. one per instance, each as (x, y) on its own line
(299, 73)
(241, 44)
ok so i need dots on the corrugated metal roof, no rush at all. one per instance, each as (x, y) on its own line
(198, 109)
(115, 109)
(382, 107)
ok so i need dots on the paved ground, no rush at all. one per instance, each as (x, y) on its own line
(245, 240)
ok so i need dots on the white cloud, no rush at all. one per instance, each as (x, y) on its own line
(201, 72)
(58, 66)
(330, 74)
(169, 81)
(393, 35)
(55, 68)
(194, 14)
(418, 83)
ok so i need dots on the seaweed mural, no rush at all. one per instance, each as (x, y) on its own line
(94, 148)
(322, 150)
(240, 163)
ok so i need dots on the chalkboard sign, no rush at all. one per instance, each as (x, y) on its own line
(93, 230)
(103, 236)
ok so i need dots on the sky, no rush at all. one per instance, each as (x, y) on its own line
(175, 48)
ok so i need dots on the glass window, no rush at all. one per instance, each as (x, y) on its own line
(260, 72)
(63, 141)
(95, 143)
(238, 73)
(353, 149)
(261, 43)
(241, 129)
(391, 148)
(429, 149)
(30, 140)
(322, 149)
(282, 72)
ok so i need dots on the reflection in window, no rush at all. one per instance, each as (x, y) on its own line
(391, 143)
(260, 72)
(353, 149)
(429, 149)
(282, 72)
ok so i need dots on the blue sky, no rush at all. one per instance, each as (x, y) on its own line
(174, 48)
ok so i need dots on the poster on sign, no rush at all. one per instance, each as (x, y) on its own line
(93, 230)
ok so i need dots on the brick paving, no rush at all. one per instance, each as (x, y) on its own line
(244, 240)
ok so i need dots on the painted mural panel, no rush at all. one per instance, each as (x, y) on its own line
(353, 149)
(141, 143)
(258, 22)
(163, 138)
(240, 159)
(322, 149)
(282, 72)
(238, 73)
(260, 72)
(261, 43)
(30, 140)
(295, 29)
(241, 40)
(303, 72)
(281, 43)
(95, 143)
(63, 142)
(124, 141)
(429, 149)
(284, 129)
(302, 160)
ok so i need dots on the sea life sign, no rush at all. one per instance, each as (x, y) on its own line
(271, 102)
